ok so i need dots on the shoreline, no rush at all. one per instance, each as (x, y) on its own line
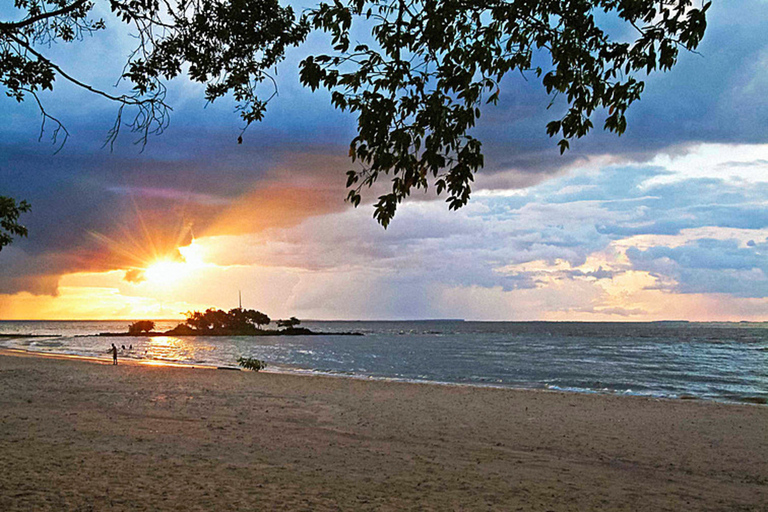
(303, 372)
(17, 352)
(165, 438)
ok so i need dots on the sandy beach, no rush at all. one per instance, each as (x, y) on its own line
(75, 435)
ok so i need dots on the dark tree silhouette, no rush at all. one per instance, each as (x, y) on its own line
(235, 321)
(10, 211)
(257, 318)
(290, 323)
(418, 91)
(141, 326)
(417, 88)
(197, 321)
(228, 45)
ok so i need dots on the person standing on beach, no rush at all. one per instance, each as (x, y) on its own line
(114, 354)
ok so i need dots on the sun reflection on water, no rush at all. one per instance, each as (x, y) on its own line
(171, 348)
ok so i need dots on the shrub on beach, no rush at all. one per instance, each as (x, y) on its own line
(141, 326)
(250, 363)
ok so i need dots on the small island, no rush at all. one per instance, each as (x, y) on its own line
(217, 322)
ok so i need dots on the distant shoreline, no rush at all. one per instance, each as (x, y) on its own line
(256, 333)
(30, 335)
(173, 332)
(450, 320)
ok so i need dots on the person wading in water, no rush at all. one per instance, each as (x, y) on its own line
(114, 354)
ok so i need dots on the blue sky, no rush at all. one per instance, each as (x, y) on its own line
(668, 221)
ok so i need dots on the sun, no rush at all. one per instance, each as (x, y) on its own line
(193, 254)
(170, 271)
(165, 273)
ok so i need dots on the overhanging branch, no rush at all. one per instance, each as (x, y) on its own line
(7, 27)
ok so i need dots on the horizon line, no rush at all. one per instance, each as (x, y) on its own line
(420, 320)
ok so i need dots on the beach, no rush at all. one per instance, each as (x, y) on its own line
(81, 435)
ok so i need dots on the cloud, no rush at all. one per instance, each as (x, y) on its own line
(36, 274)
(713, 96)
(600, 273)
(612, 311)
(536, 254)
(562, 223)
(708, 266)
(761, 162)
(135, 275)
(169, 194)
(104, 212)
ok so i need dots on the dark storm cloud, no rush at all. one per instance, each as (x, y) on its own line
(153, 203)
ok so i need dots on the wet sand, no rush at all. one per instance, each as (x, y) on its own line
(80, 436)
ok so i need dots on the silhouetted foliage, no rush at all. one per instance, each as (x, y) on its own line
(290, 323)
(258, 318)
(10, 211)
(228, 45)
(235, 321)
(251, 363)
(418, 91)
(141, 326)
(417, 87)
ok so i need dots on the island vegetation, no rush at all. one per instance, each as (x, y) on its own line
(217, 322)
(142, 326)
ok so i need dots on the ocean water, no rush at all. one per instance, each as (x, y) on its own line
(715, 361)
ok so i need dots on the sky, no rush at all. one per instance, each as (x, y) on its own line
(667, 222)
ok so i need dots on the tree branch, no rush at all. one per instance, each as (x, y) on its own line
(34, 19)
(45, 115)
(122, 99)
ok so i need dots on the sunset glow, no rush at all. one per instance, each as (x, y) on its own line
(168, 272)
(164, 273)
(437, 255)
(544, 254)
(668, 221)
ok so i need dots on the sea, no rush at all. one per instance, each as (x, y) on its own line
(709, 361)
